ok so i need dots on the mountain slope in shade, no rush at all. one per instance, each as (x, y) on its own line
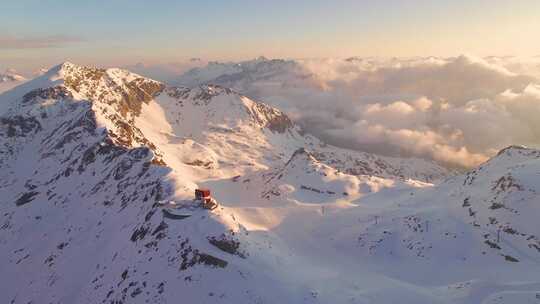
(89, 157)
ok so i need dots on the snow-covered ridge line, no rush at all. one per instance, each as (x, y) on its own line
(265, 115)
(119, 95)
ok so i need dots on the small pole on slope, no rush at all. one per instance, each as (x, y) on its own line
(376, 219)
(498, 235)
(427, 225)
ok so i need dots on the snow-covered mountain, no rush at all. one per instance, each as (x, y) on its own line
(396, 106)
(10, 79)
(249, 77)
(8, 76)
(89, 157)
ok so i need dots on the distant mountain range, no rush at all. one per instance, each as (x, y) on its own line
(10, 79)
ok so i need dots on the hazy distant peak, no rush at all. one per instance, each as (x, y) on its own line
(11, 76)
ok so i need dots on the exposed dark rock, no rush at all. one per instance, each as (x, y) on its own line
(200, 163)
(58, 92)
(510, 258)
(26, 198)
(19, 125)
(227, 244)
(276, 121)
(161, 227)
(139, 233)
(506, 183)
(492, 244)
(62, 245)
(206, 259)
(138, 91)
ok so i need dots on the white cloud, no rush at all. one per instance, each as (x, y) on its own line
(458, 111)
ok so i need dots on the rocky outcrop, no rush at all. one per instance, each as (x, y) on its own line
(55, 93)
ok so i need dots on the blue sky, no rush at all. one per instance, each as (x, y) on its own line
(34, 32)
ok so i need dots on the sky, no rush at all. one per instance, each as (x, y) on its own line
(37, 33)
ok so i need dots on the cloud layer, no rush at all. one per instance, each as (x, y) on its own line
(12, 42)
(457, 111)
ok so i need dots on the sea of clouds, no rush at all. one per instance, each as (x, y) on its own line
(458, 111)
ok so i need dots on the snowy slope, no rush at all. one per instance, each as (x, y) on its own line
(88, 157)
(386, 241)
(304, 179)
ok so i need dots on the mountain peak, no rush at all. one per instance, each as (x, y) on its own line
(117, 88)
(68, 69)
(512, 148)
(68, 64)
(513, 154)
(261, 58)
(63, 67)
(67, 73)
